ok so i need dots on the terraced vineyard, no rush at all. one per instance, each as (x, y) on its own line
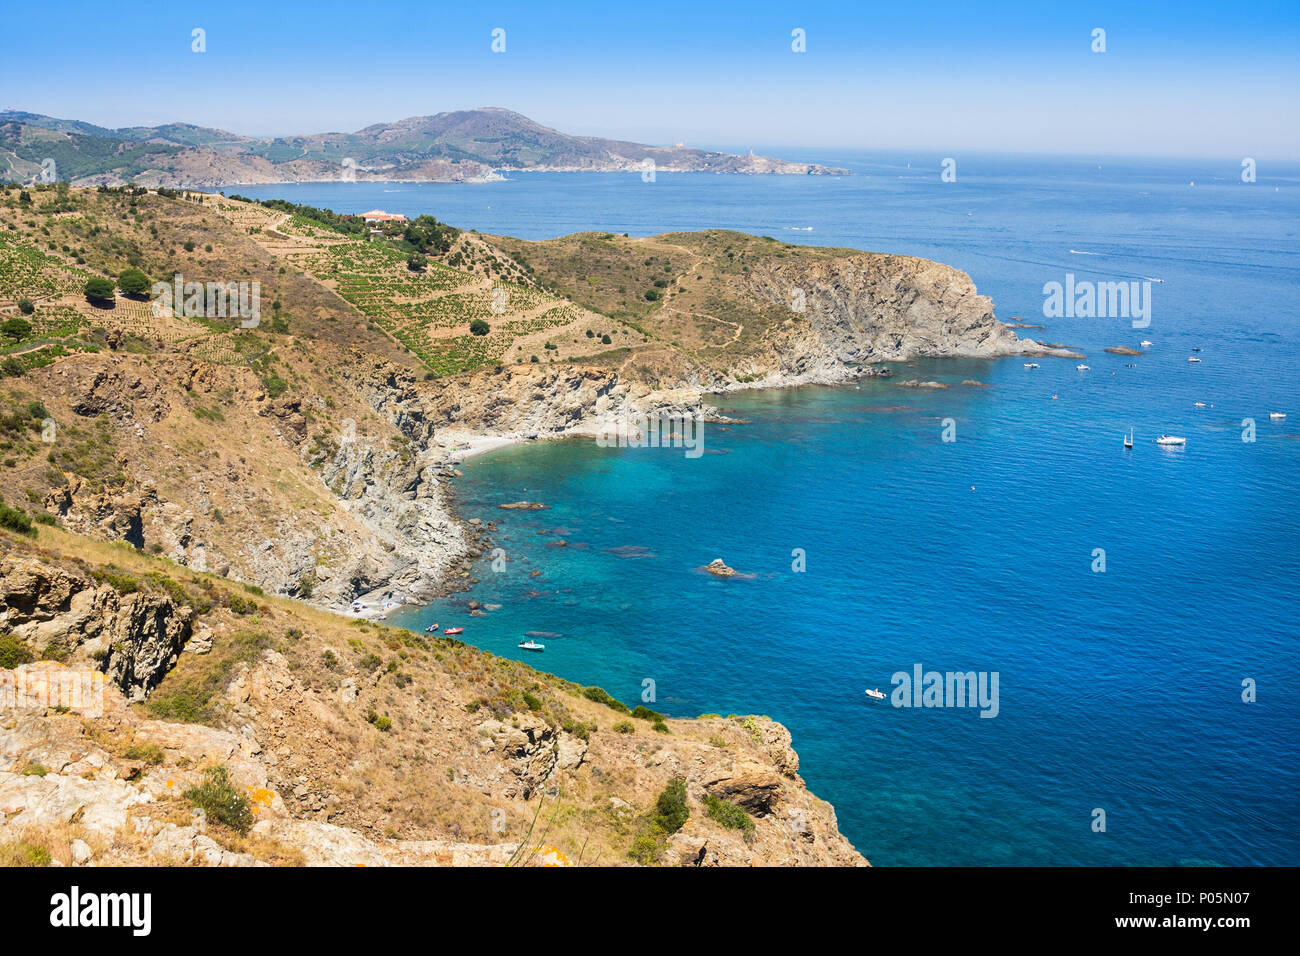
(26, 272)
(430, 311)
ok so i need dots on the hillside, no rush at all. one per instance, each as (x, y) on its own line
(462, 146)
(307, 739)
(314, 454)
(203, 492)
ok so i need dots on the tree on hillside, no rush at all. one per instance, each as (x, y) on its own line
(415, 262)
(479, 327)
(17, 329)
(429, 235)
(99, 290)
(133, 282)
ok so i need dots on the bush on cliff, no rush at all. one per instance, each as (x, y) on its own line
(220, 801)
(666, 817)
(13, 652)
(15, 520)
(728, 814)
(671, 810)
(602, 696)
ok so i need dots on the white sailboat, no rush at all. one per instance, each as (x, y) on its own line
(1128, 440)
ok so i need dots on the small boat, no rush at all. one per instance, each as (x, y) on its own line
(1277, 416)
(875, 695)
(454, 630)
(1083, 368)
(1146, 343)
(1196, 348)
(531, 646)
(1128, 440)
(1198, 404)
(1031, 365)
(1170, 440)
(431, 628)
(1192, 358)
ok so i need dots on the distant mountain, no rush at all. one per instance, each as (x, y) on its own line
(461, 146)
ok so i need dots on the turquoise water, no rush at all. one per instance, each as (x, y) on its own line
(1118, 690)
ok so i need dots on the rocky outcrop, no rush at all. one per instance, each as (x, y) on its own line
(115, 516)
(135, 638)
(859, 309)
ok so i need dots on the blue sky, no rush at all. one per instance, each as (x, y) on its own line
(1177, 79)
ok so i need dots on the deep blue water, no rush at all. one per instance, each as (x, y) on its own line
(1118, 690)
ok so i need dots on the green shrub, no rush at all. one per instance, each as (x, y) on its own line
(645, 849)
(151, 754)
(624, 727)
(241, 606)
(15, 520)
(220, 801)
(642, 712)
(381, 722)
(35, 769)
(601, 696)
(727, 813)
(13, 652)
(532, 702)
(19, 853)
(671, 811)
(578, 728)
(660, 727)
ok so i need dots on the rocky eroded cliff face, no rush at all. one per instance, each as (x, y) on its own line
(133, 638)
(863, 309)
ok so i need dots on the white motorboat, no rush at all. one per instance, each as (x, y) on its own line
(1031, 365)
(1083, 368)
(1277, 416)
(1170, 440)
(531, 645)
(875, 694)
(1192, 358)
(1146, 343)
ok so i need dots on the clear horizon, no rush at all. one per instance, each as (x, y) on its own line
(1196, 80)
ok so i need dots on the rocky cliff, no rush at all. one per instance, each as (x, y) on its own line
(135, 638)
(338, 744)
